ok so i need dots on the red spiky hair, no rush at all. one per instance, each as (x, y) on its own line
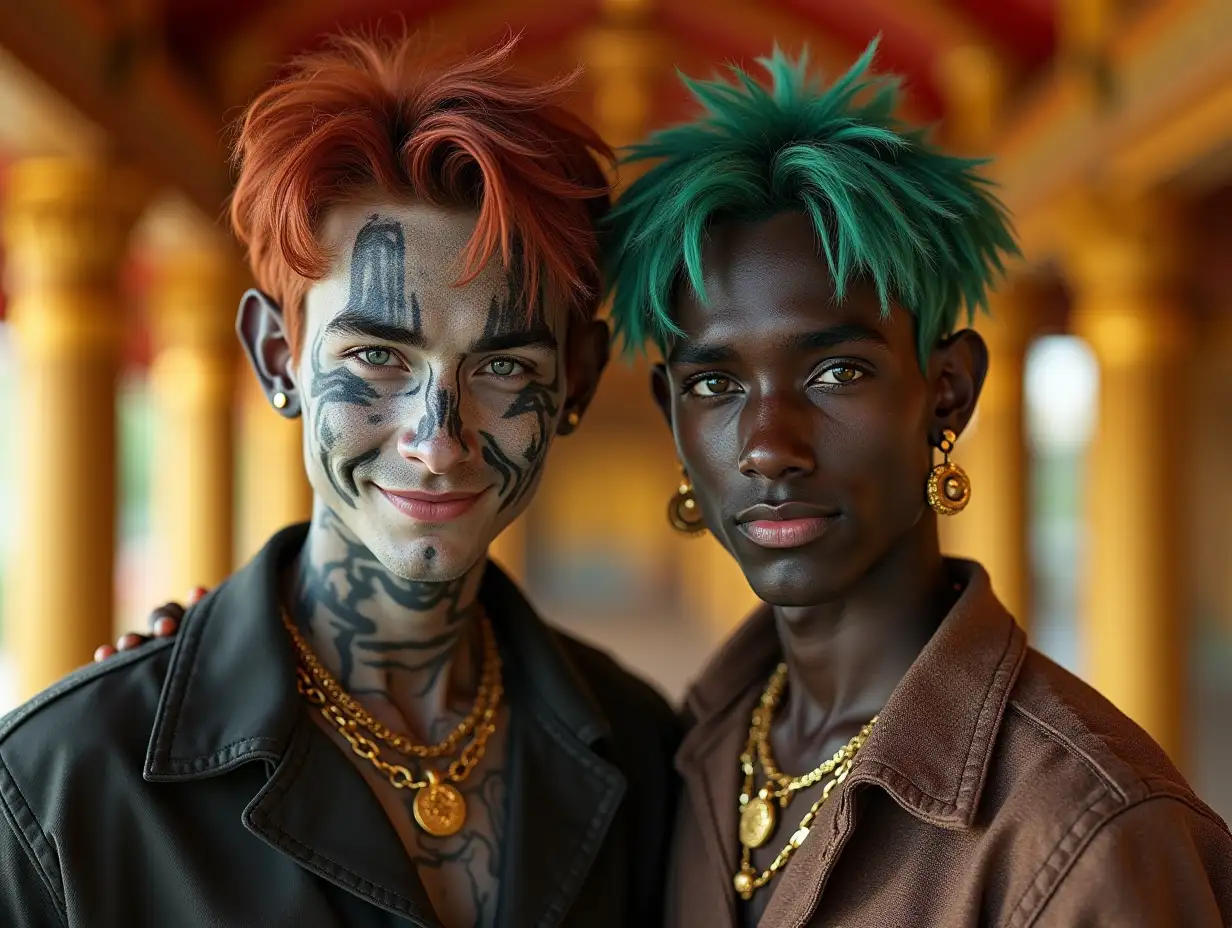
(365, 115)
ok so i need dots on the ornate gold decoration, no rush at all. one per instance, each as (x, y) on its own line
(758, 816)
(439, 807)
(949, 487)
(682, 510)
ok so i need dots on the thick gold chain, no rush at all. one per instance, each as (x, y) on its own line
(349, 717)
(782, 787)
(487, 697)
(759, 745)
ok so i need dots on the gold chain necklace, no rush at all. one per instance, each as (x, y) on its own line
(489, 680)
(758, 817)
(439, 807)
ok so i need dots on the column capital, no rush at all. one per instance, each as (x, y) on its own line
(622, 55)
(1113, 243)
(972, 78)
(67, 221)
(1124, 258)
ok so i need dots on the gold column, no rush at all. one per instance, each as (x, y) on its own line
(274, 491)
(993, 527)
(193, 378)
(509, 548)
(622, 55)
(66, 231)
(1126, 306)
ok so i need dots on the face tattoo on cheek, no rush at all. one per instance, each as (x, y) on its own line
(541, 400)
(377, 292)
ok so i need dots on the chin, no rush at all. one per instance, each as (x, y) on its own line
(798, 577)
(426, 554)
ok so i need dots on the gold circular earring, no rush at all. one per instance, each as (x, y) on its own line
(682, 510)
(949, 487)
(280, 400)
(574, 418)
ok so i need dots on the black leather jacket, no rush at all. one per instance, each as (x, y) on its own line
(183, 785)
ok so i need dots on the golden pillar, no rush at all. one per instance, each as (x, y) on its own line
(993, 527)
(623, 54)
(509, 548)
(193, 378)
(1126, 307)
(274, 491)
(66, 232)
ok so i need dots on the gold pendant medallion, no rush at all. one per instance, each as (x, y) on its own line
(757, 822)
(439, 808)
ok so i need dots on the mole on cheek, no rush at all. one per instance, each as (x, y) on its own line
(430, 554)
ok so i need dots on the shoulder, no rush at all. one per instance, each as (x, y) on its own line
(94, 704)
(79, 744)
(637, 711)
(1099, 745)
(1084, 789)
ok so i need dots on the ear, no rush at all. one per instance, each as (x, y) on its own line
(259, 324)
(958, 367)
(588, 351)
(661, 388)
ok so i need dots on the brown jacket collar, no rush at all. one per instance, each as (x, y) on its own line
(951, 700)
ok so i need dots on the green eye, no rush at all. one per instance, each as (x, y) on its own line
(377, 357)
(504, 367)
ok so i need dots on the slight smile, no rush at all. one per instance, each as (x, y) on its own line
(787, 525)
(430, 507)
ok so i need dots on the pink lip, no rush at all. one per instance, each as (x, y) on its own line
(430, 507)
(787, 533)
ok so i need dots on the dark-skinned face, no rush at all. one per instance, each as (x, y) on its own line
(805, 424)
(429, 408)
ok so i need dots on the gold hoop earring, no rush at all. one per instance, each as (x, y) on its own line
(949, 487)
(682, 510)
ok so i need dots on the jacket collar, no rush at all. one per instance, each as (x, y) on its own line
(230, 697)
(935, 738)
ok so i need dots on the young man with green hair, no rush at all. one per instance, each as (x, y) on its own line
(877, 745)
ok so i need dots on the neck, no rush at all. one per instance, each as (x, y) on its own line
(846, 656)
(408, 645)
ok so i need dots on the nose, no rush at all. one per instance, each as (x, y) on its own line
(777, 439)
(438, 439)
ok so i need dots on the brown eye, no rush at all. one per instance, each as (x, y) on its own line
(711, 386)
(839, 375)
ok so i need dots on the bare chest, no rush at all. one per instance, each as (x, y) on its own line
(459, 871)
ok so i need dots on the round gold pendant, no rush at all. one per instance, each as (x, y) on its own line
(439, 808)
(757, 822)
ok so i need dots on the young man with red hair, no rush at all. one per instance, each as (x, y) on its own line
(368, 724)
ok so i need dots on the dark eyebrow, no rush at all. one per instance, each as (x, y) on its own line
(686, 352)
(837, 335)
(361, 325)
(537, 336)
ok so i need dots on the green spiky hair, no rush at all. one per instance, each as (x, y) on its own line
(922, 226)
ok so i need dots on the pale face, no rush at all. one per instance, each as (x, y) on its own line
(428, 408)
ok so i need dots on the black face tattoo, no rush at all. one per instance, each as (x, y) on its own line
(518, 473)
(377, 291)
(343, 588)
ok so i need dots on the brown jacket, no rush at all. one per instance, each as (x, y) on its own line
(996, 789)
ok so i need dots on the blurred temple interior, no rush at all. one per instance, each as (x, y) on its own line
(139, 460)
